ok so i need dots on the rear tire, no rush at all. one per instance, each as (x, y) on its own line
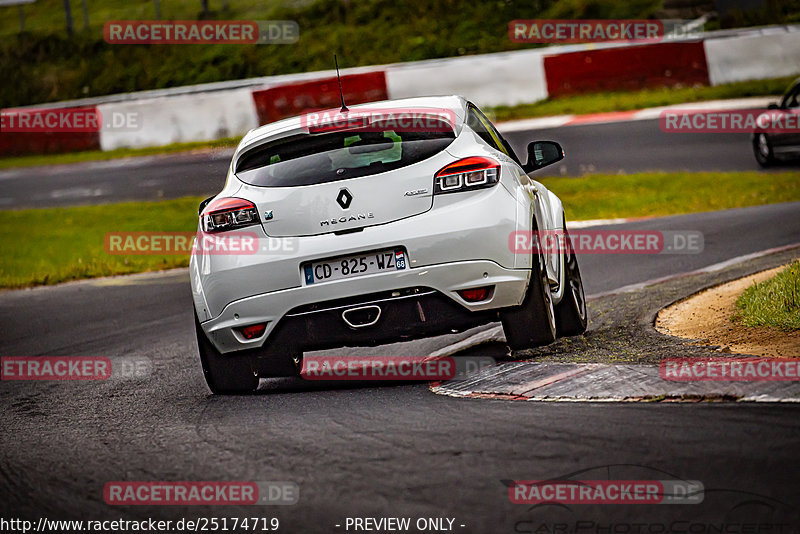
(762, 148)
(231, 373)
(533, 323)
(571, 316)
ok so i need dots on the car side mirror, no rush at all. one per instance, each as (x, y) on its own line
(204, 203)
(773, 106)
(541, 154)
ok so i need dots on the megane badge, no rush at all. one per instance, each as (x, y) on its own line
(345, 198)
(416, 192)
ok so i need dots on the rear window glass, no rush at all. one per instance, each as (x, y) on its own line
(310, 159)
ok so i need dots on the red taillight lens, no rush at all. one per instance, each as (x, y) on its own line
(253, 331)
(227, 214)
(465, 174)
(477, 294)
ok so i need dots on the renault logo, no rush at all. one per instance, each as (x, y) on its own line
(345, 198)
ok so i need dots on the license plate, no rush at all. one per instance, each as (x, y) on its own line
(356, 265)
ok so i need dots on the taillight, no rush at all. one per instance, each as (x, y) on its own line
(466, 174)
(228, 214)
(253, 331)
(477, 294)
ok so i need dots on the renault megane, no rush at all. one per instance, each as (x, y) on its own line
(393, 221)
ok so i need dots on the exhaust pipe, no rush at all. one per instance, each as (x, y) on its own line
(362, 316)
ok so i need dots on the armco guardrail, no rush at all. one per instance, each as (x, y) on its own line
(230, 109)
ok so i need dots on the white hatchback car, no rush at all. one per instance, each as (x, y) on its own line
(371, 229)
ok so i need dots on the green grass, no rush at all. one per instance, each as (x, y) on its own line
(47, 16)
(48, 246)
(99, 155)
(52, 245)
(774, 302)
(49, 66)
(668, 193)
(646, 98)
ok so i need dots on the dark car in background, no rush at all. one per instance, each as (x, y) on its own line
(771, 147)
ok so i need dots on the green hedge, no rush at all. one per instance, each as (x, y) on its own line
(45, 65)
(50, 66)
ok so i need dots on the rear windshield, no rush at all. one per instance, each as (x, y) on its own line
(310, 159)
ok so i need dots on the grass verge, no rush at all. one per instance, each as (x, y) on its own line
(48, 246)
(52, 245)
(99, 155)
(658, 194)
(775, 302)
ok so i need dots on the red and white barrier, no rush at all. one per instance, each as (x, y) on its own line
(507, 78)
(218, 111)
(49, 130)
(292, 99)
(753, 57)
(626, 68)
(177, 119)
(557, 121)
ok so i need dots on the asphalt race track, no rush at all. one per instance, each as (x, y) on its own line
(622, 147)
(635, 146)
(375, 450)
(367, 450)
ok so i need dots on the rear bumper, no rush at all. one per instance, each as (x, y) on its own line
(462, 243)
(460, 230)
(311, 316)
(397, 315)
